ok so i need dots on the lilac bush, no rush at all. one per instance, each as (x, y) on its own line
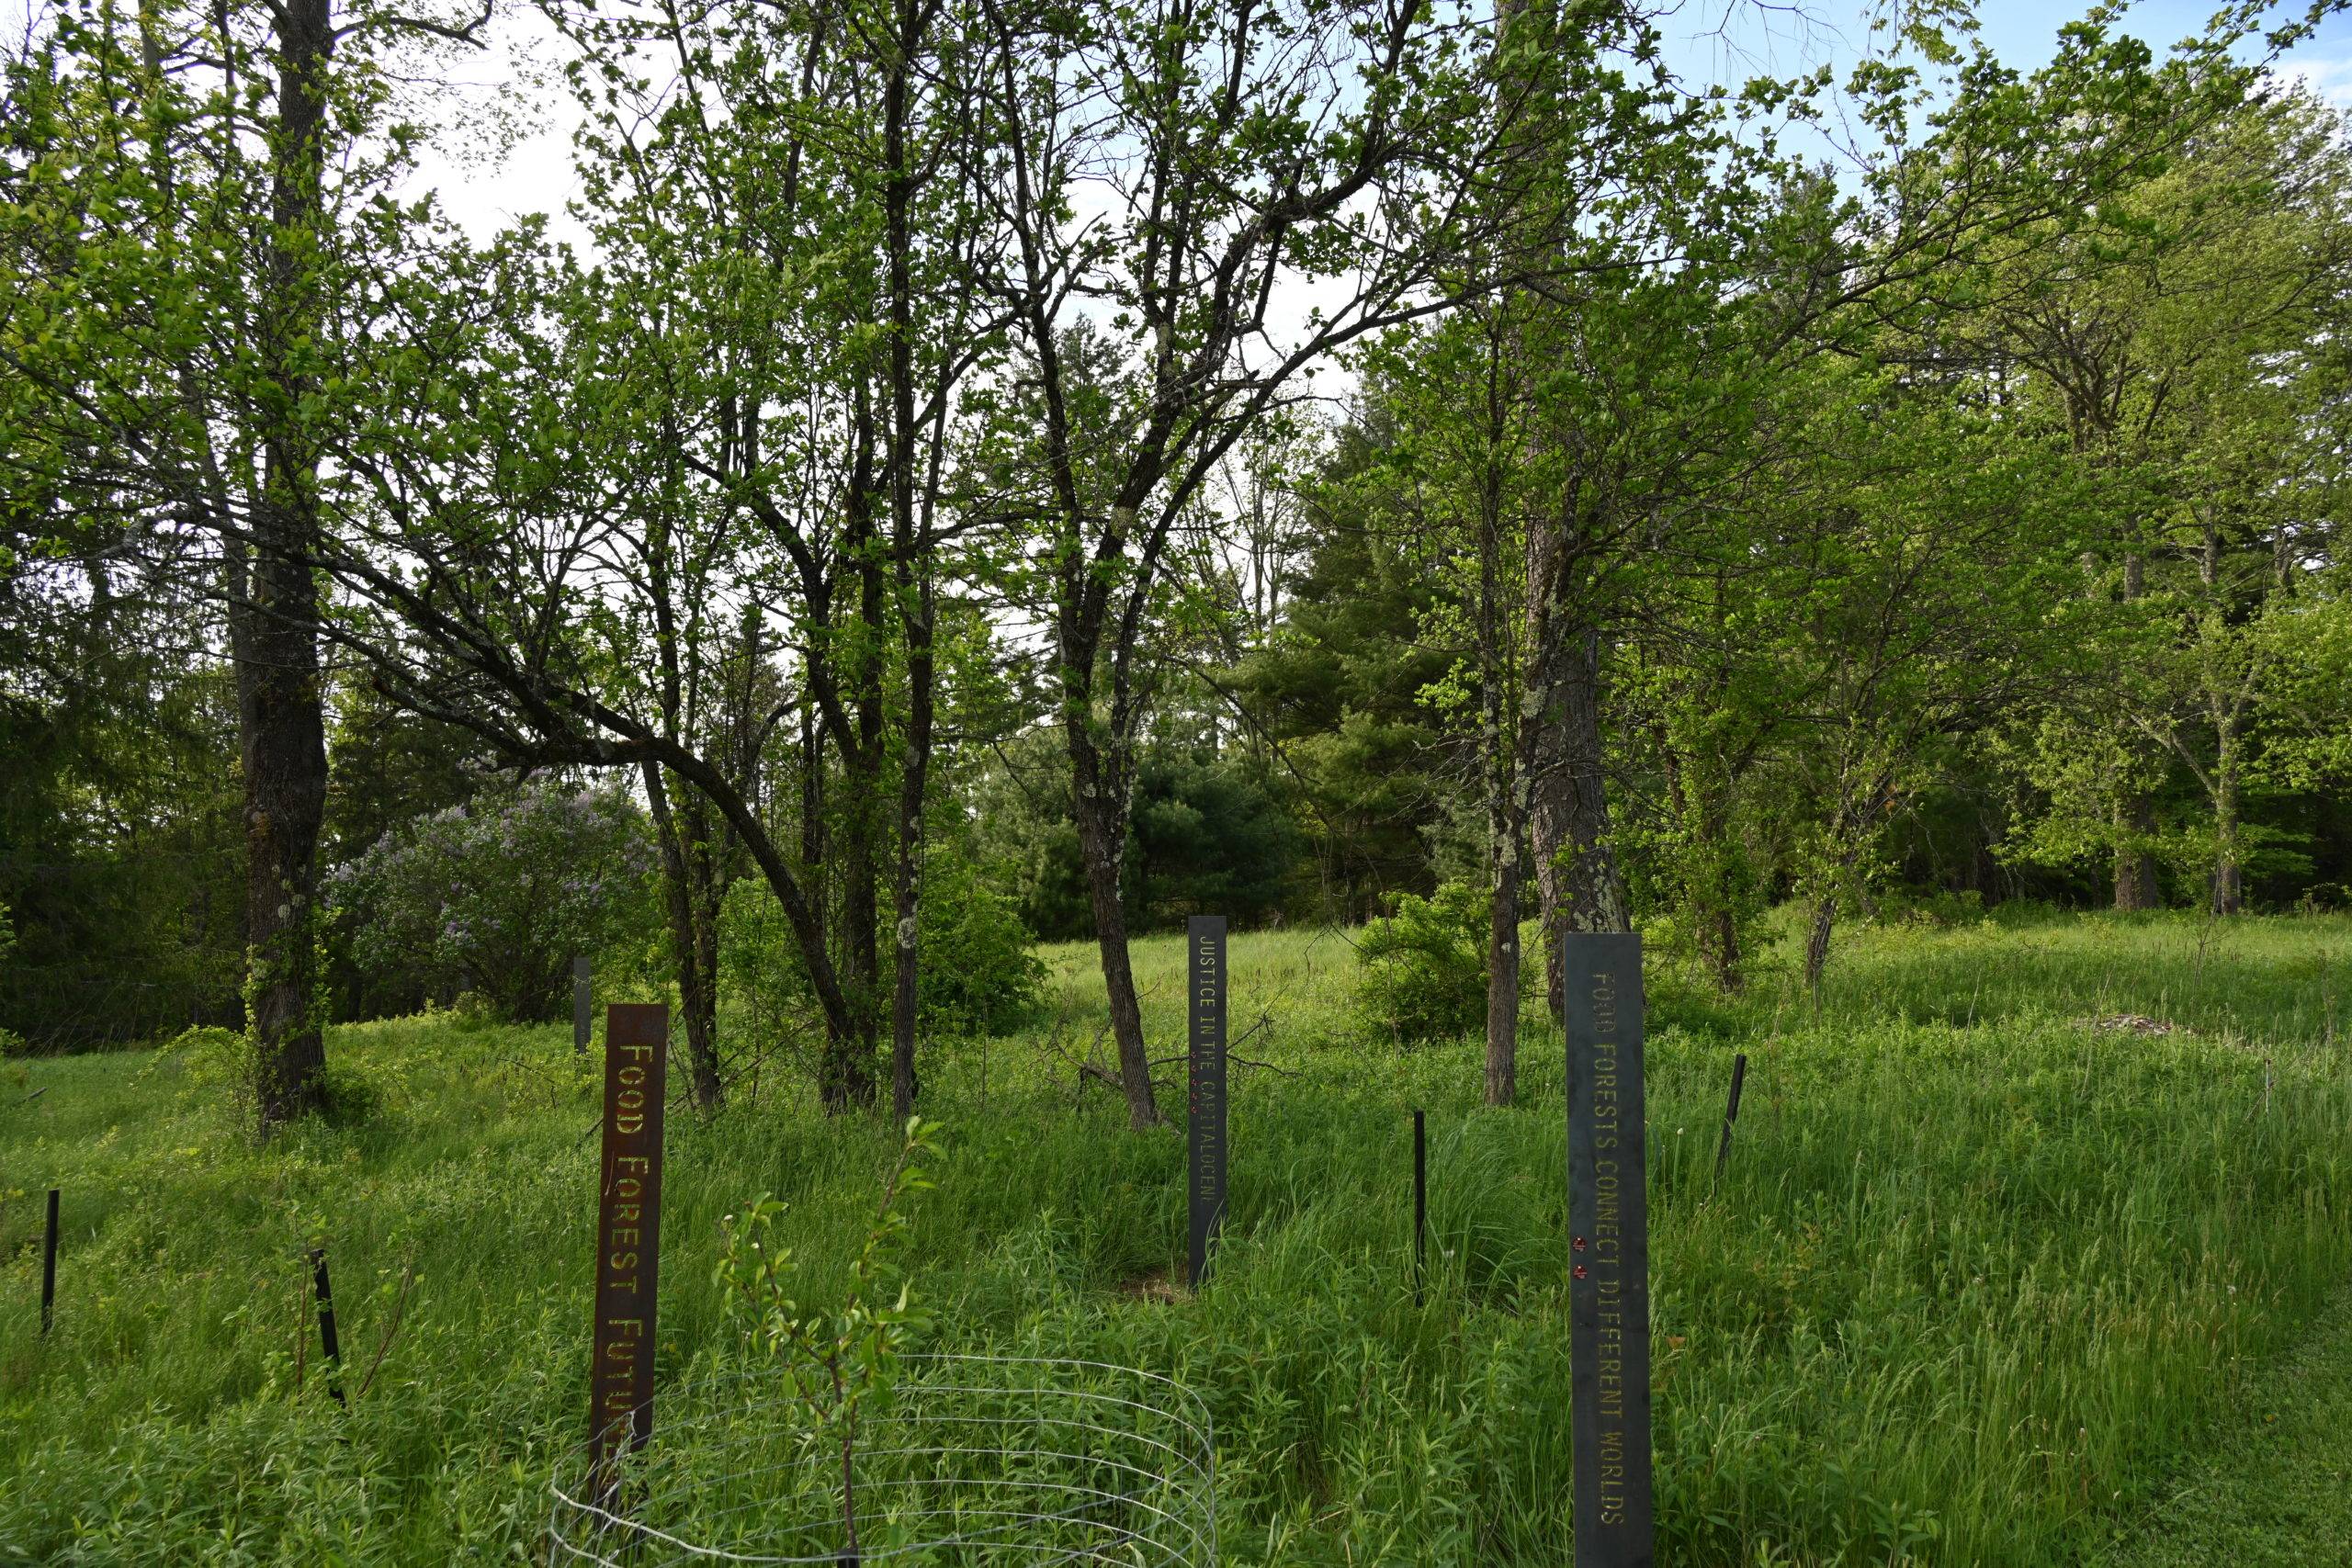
(495, 898)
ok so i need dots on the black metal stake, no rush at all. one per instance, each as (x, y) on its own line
(1731, 1113)
(327, 1339)
(49, 1264)
(1421, 1203)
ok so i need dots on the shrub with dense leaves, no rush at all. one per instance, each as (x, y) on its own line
(496, 898)
(978, 974)
(1425, 965)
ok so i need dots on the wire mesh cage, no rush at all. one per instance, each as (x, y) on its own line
(968, 1460)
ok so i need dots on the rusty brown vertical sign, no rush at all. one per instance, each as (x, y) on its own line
(629, 1232)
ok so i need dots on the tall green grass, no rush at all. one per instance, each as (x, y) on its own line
(1975, 1274)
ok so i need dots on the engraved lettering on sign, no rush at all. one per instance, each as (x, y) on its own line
(1205, 1104)
(1607, 1277)
(629, 1230)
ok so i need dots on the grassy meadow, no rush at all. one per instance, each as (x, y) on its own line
(1979, 1284)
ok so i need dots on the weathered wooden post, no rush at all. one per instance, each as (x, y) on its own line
(628, 1233)
(1204, 1120)
(1609, 1296)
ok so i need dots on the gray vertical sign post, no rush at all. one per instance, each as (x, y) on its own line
(582, 991)
(1204, 1119)
(1608, 1289)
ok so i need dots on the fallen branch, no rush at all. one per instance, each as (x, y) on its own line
(1281, 1072)
(408, 1279)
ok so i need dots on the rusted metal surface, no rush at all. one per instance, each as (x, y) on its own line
(628, 1231)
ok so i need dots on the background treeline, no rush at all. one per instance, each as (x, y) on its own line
(909, 526)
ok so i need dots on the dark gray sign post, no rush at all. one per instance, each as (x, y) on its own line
(628, 1236)
(1204, 1120)
(581, 992)
(1609, 1289)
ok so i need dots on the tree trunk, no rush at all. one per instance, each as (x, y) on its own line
(1547, 806)
(904, 1083)
(2229, 852)
(1851, 826)
(274, 623)
(913, 583)
(1502, 967)
(846, 1075)
(1102, 841)
(1715, 923)
(837, 858)
(1576, 864)
(1816, 942)
(2136, 864)
(2136, 811)
(282, 750)
(1499, 736)
(690, 946)
(1719, 946)
(812, 803)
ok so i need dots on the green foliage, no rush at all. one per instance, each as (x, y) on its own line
(980, 973)
(384, 768)
(1935, 908)
(497, 897)
(763, 989)
(835, 1363)
(348, 1097)
(210, 1059)
(120, 849)
(1335, 685)
(11, 1043)
(1205, 835)
(1424, 965)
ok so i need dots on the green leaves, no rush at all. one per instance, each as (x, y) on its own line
(833, 1363)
